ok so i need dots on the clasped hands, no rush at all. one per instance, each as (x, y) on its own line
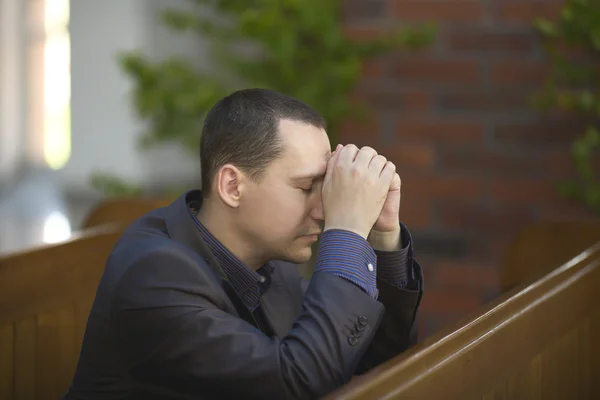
(361, 193)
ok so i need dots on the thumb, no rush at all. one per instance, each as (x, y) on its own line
(396, 182)
(331, 163)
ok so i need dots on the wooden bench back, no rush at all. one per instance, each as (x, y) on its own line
(45, 297)
(542, 247)
(122, 211)
(540, 341)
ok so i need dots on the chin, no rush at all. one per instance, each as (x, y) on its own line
(299, 256)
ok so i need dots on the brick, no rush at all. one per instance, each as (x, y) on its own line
(482, 40)
(451, 273)
(572, 212)
(440, 244)
(526, 11)
(375, 68)
(525, 191)
(384, 96)
(367, 133)
(476, 159)
(496, 100)
(519, 72)
(438, 71)
(415, 214)
(364, 10)
(481, 220)
(415, 155)
(415, 100)
(439, 11)
(360, 33)
(565, 167)
(549, 131)
(558, 164)
(424, 186)
(450, 301)
(490, 247)
(443, 130)
(498, 161)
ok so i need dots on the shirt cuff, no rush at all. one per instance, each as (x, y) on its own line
(349, 256)
(393, 265)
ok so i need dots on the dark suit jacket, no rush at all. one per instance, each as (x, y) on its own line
(166, 324)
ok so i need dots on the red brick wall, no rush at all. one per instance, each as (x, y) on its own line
(477, 161)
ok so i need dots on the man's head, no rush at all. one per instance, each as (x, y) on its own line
(263, 156)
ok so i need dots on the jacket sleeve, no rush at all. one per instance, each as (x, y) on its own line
(398, 328)
(177, 342)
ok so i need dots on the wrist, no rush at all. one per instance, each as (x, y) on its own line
(362, 234)
(385, 241)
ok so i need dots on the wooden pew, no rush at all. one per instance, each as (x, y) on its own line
(121, 210)
(45, 297)
(543, 246)
(539, 341)
(46, 293)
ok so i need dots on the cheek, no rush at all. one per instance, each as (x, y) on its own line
(276, 211)
(286, 212)
(289, 210)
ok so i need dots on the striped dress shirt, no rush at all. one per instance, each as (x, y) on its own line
(360, 264)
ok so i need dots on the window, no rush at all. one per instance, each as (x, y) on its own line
(49, 83)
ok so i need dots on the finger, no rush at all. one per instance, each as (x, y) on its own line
(377, 164)
(332, 161)
(364, 156)
(396, 182)
(347, 154)
(388, 172)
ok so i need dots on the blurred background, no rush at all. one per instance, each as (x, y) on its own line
(488, 108)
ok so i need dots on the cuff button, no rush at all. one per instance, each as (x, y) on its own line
(352, 340)
(362, 320)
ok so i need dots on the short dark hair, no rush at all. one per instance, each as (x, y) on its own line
(243, 129)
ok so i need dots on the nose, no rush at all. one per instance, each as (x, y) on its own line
(316, 211)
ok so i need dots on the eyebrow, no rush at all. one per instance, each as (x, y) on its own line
(309, 175)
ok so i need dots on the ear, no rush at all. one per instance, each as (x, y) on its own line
(230, 182)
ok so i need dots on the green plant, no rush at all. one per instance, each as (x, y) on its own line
(297, 47)
(573, 46)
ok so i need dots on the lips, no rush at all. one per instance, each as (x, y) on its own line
(314, 234)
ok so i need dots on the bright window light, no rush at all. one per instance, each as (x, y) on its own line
(57, 84)
(56, 228)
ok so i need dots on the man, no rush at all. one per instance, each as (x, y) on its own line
(202, 299)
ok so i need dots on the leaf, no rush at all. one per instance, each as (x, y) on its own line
(573, 87)
(298, 47)
(114, 186)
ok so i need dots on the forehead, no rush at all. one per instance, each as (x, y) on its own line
(306, 147)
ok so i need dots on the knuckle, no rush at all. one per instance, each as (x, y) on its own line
(371, 182)
(356, 171)
(368, 150)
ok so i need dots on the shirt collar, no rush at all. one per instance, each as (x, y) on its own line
(247, 283)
